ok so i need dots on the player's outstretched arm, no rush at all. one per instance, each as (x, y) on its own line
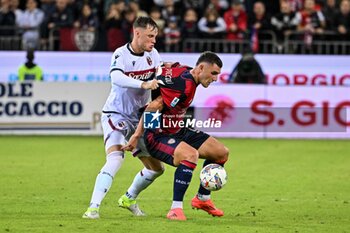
(155, 105)
(122, 80)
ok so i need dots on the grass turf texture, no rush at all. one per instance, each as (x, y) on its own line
(273, 186)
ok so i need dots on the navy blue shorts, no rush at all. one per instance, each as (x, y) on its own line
(162, 146)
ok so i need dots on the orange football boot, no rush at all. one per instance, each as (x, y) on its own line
(208, 206)
(176, 214)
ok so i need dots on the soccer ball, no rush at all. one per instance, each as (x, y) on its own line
(213, 177)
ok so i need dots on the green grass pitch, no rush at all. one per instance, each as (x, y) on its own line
(273, 186)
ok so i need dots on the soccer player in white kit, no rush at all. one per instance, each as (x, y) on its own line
(132, 75)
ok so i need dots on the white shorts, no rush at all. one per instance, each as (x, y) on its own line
(117, 130)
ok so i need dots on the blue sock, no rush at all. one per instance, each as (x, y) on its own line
(182, 179)
(201, 190)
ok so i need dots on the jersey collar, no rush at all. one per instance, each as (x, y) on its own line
(132, 52)
(188, 75)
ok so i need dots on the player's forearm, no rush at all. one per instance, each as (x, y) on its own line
(139, 130)
(120, 79)
(155, 105)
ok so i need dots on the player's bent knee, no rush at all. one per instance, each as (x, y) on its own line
(226, 152)
(185, 152)
(157, 169)
(189, 164)
(222, 155)
(152, 164)
(191, 156)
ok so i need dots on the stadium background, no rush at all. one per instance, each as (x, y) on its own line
(278, 180)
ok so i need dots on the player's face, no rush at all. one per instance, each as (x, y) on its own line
(208, 73)
(147, 38)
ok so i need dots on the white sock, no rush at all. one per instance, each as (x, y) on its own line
(177, 204)
(141, 181)
(104, 179)
(203, 197)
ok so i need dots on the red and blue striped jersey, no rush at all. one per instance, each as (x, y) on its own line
(177, 92)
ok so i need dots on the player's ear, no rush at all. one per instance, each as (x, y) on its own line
(201, 67)
(136, 32)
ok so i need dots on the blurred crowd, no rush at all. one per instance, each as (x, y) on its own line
(109, 22)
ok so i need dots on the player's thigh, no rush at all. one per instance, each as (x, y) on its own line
(152, 163)
(114, 142)
(141, 149)
(114, 130)
(193, 137)
(212, 149)
(163, 147)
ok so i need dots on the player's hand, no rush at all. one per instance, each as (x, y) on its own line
(131, 144)
(150, 85)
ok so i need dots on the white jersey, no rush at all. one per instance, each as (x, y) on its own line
(127, 101)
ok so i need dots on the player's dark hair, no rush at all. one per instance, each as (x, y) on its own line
(210, 58)
(143, 22)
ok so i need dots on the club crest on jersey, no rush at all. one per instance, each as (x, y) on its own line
(121, 124)
(133, 63)
(171, 141)
(149, 60)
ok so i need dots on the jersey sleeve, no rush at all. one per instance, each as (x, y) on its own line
(173, 86)
(117, 62)
(171, 97)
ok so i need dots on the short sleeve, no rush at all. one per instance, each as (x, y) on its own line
(117, 62)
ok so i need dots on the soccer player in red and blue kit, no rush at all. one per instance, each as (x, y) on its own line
(182, 147)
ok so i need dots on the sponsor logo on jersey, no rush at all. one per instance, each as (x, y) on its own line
(149, 60)
(143, 75)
